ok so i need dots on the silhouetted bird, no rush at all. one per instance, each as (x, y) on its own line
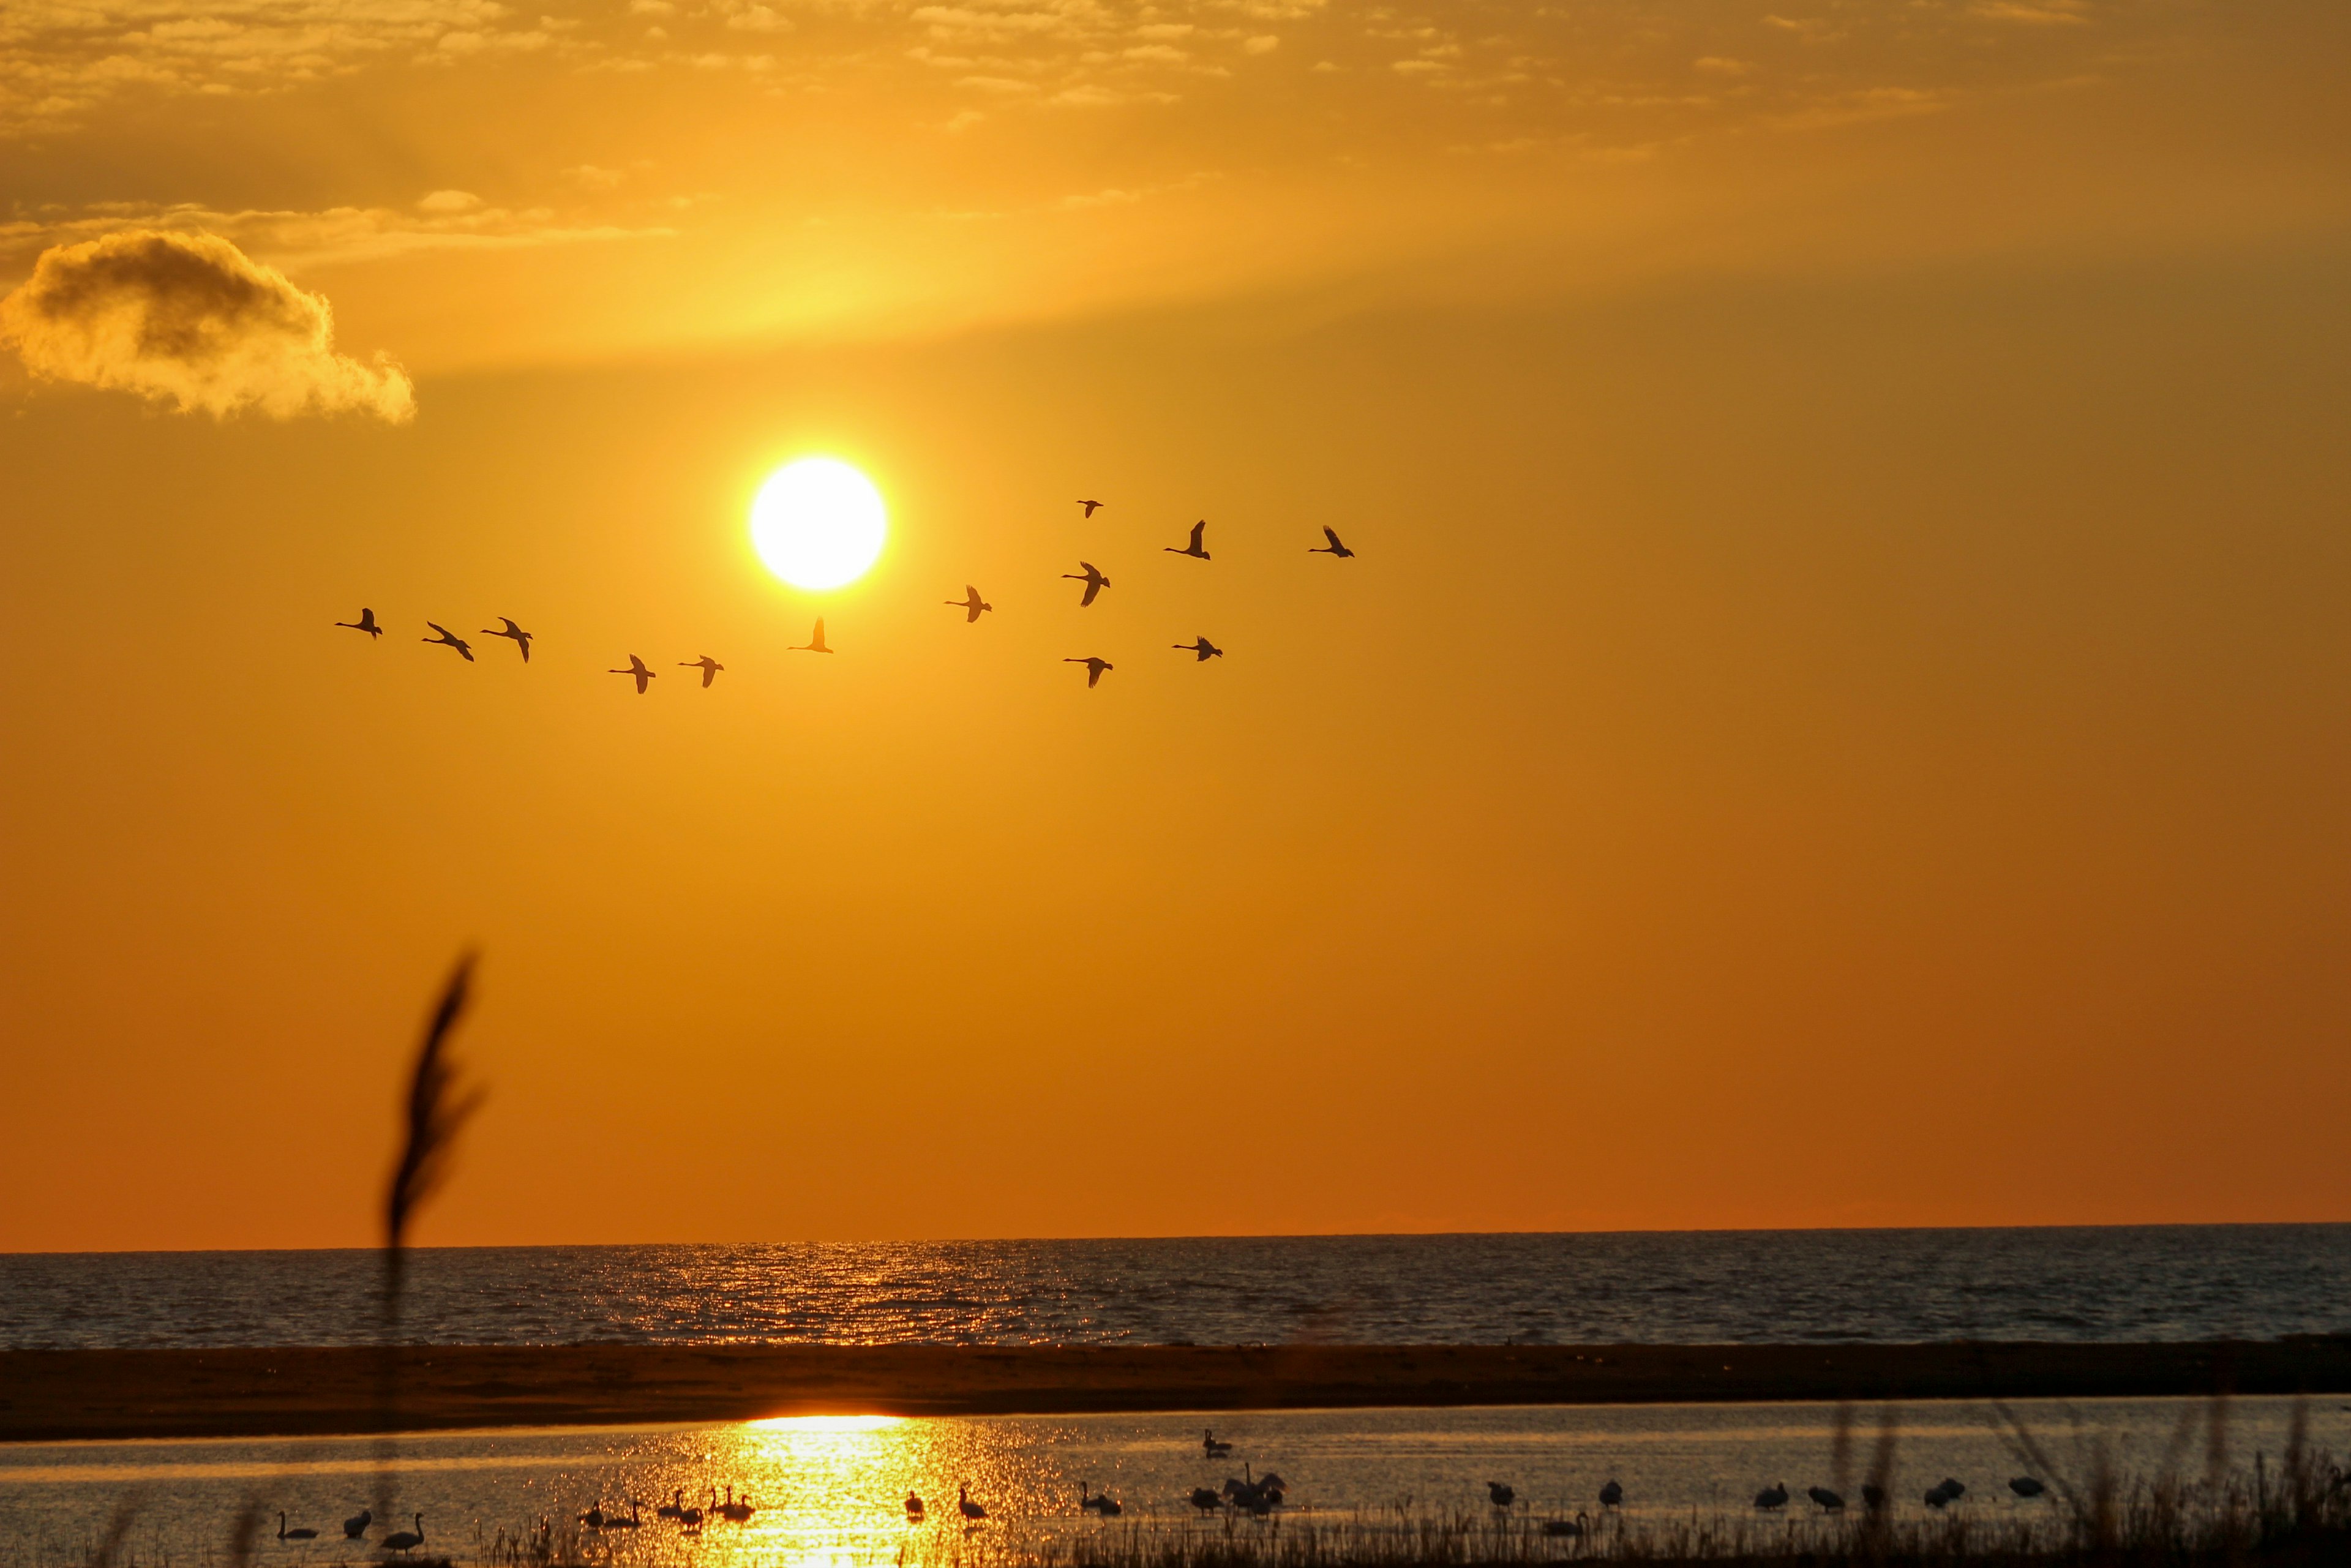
(740, 1513)
(1203, 650)
(1873, 1495)
(1209, 1441)
(520, 638)
(1937, 1497)
(1094, 668)
(2025, 1486)
(448, 639)
(1090, 506)
(1954, 1489)
(1206, 1499)
(971, 604)
(1775, 1496)
(1193, 548)
(366, 622)
(914, 1506)
(1499, 1495)
(964, 1506)
(356, 1526)
(614, 1521)
(286, 1534)
(1611, 1495)
(815, 645)
(406, 1539)
(637, 668)
(1100, 1502)
(1826, 1498)
(1093, 579)
(675, 1506)
(594, 1517)
(706, 664)
(1335, 548)
(1576, 1526)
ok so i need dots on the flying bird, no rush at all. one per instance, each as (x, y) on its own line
(366, 622)
(464, 648)
(971, 604)
(707, 666)
(1193, 548)
(815, 645)
(1094, 668)
(1204, 649)
(1093, 579)
(637, 668)
(1336, 547)
(1090, 506)
(521, 638)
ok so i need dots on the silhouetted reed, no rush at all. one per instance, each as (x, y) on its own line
(436, 1111)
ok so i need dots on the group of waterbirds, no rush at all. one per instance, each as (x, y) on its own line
(1195, 546)
(971, 604)
(1942, 1494)
(356, 1528)
(1503, 1495)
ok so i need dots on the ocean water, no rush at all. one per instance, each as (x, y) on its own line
(830, 1489)
(2156, 1282)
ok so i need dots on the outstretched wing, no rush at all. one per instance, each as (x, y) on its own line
(1197, 529)
(1093, 586)
(1094, 667)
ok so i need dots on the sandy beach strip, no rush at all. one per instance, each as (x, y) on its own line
(57, 1395)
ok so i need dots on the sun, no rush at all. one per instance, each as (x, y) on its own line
(818, 523)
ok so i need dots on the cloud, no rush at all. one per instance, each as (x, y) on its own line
(191, 321)
(1264, 44)
(449, 202)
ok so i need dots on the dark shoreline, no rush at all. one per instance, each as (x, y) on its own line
(61, 1394)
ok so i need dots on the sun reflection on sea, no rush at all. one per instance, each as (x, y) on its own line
(830, 1489)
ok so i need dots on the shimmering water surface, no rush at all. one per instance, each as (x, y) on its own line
(832, 1490)
(2107, 1283)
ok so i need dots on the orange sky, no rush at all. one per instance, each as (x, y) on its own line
(1841, 714)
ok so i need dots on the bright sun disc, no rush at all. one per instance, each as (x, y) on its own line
(818, 523)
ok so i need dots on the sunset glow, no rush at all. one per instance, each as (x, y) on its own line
(818, 523)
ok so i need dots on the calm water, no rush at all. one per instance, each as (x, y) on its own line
(2109, 1283)
(830, 1490)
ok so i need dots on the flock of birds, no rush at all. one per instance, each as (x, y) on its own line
(1249, 1492)
(971, 604)
(1941, 1495)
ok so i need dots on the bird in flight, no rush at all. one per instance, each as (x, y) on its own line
(707, 666)
(971, 604)
(1094, 668)
(1203, 650)
(1090, 506)
(815, 645)
(447, 638)
(637, 668)
(1336, 547)
(1193, 549)
(521, 638)
(366, 622)
(1093, 579)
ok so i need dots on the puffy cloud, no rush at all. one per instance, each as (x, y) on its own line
(190, 321)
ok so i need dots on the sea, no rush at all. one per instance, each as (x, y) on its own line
(2134, 1282)
(832, 1490)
